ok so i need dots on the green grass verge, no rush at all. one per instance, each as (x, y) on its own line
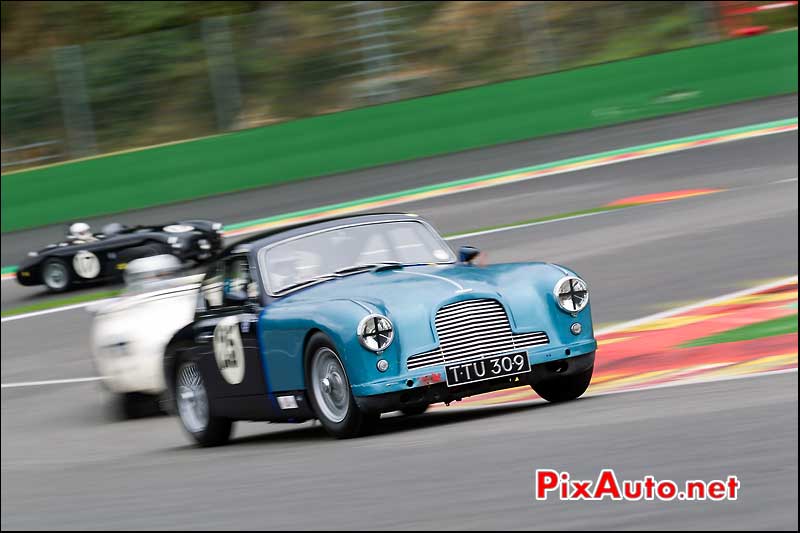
(61, 302)
(768, 328)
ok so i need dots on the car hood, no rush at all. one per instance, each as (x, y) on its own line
(410, 296)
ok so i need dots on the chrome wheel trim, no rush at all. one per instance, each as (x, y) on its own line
(55, 276)
(192, 398)
(330, 384)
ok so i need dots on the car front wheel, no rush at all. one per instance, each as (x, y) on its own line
(194, 409)
(564, 389)
(56, 275)
(330, 394)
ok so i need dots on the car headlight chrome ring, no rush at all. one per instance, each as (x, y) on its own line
(572, 294)
(375, 332)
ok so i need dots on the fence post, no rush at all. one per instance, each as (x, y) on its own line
(376, 49)
(542, 52)
(78, 121)
(222, 71)
(705, 26)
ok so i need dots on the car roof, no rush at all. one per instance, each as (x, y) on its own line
(261, 239)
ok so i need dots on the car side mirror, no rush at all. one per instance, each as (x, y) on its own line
(467, 253)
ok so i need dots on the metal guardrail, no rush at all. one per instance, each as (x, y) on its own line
(31, 160)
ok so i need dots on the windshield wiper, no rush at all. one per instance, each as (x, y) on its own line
(309, 281)
(367, 266)
(387, 265)
(342, 272)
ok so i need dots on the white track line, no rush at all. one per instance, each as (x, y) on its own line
(604, 331)
(691, 307)
(53, 310)
(657, 386)
(584, 215)
(51, 382)
(694, 381)
(531, 224)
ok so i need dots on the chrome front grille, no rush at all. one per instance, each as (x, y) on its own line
(473, 329)
(537, 338)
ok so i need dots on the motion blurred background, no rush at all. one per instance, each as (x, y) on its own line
(87, 78)
(146, 112)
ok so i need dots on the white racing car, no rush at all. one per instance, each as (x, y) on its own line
(129, 333)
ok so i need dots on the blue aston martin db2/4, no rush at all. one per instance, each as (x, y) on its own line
(344, 319)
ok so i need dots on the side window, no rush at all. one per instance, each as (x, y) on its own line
(238, 286)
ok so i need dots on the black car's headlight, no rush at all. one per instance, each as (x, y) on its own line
(375, 332)
(572, 294)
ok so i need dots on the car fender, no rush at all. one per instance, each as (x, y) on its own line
(284, 330)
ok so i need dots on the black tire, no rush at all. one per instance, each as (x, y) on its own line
(564, 389)
(415, 410)
(355, 422)
(134, 405)
(206, 431)
(56, 275)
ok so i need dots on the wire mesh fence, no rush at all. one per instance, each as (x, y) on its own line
(290, 60)
(32, 124)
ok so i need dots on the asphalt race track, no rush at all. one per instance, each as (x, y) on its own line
(67, 463)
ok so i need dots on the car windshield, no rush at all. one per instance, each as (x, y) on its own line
(351, 249)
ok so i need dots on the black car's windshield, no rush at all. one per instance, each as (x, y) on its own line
(351, 249)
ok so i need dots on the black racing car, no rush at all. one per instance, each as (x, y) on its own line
(102, 257)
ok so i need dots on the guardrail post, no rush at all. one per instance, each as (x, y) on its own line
(542, 52)
(222, 71)
(78, 121)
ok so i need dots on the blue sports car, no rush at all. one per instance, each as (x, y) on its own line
(345, 319)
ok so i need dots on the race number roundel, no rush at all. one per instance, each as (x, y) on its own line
(86, 264)
(228, 350)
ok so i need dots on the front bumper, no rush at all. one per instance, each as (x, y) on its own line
(440, 392)
(27, 277)
(435, 374)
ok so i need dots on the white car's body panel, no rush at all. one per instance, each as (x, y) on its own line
(129, 335)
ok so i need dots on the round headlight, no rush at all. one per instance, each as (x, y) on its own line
(375, 332)
(572, 294)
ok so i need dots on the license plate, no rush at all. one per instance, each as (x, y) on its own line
(487, 368)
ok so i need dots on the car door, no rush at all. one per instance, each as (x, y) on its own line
(226, 337)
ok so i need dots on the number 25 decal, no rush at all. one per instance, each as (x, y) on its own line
(228, 350)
